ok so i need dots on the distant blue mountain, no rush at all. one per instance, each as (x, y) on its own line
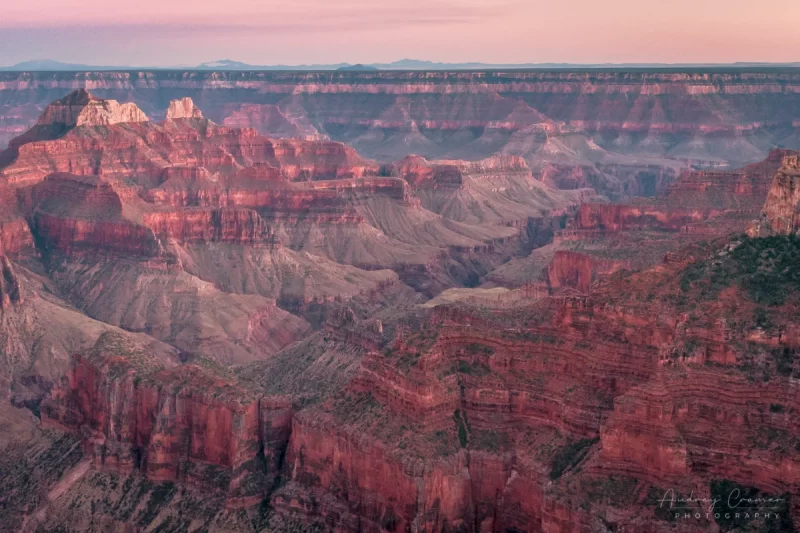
(358, 68)
(51, 65)
(403, 64)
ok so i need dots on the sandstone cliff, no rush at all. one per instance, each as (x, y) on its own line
(183, 109)
(80, 108)
(781, 214)
(186, 424)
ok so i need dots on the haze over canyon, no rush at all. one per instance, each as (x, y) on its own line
(545, 301)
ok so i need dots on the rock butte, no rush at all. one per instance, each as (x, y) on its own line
(222, 329)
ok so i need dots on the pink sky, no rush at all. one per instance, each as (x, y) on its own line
(164, 33)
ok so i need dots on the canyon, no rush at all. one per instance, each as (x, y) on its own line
(398, 302)
(624, 133)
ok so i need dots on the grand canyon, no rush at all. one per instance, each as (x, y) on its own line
(543, 301)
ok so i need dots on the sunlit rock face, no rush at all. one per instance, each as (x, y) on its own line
(81, 108)
(781, 213)
(183, 109)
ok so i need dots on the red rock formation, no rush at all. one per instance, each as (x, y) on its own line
(659, 421)
(69, 138)
(578, 271)
(232, 225)
(73, 213)
(183, 109)
(617, 217)
(184, 424)
(168, 179)
(79, 108)
(15, 236)
(781, 213)
(467, 488)
(742, 189)
(664, 430)
(418, 172)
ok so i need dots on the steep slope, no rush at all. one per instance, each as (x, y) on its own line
(40, 331)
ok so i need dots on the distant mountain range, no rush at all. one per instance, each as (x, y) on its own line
(51, 65)
(404, 64)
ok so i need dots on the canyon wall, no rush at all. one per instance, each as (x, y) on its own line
(782, 207)
(625, 133)
(187, 424)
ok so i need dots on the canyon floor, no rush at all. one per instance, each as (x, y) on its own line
(370, 303)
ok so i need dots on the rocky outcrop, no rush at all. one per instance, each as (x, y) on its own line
(577, 271)
(394, 497)
(418, 172)
(15, 236)
(183, 109)
(742, 189)
(80, 108)
(781, 212)
(145, 149)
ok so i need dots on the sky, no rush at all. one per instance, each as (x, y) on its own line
(268, 32)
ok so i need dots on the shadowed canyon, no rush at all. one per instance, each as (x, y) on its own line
(523, 301)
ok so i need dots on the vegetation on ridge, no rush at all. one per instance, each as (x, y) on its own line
(765, 268)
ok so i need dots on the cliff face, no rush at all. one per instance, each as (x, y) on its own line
(781, 212)
(580, 395)
(183, 424)
(651, 436)
(15, 236)
(617, 217)
(578, 271)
